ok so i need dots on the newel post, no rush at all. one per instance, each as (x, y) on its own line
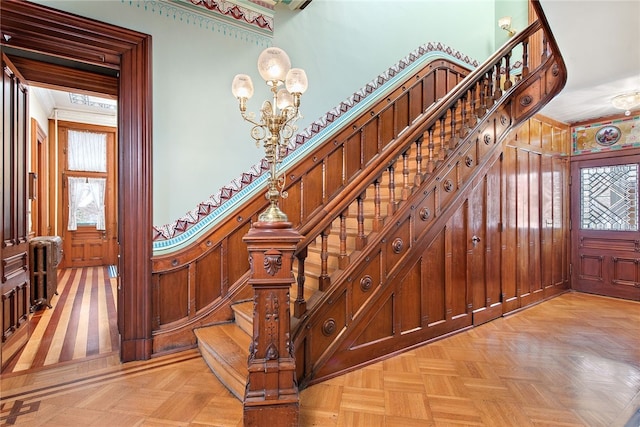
(271, 397)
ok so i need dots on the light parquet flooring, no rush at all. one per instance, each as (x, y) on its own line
(571, 361)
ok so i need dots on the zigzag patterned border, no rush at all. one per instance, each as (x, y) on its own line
(236, 27)
(171, 234)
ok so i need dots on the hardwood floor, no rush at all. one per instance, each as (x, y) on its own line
(570, 361)
(82, 322)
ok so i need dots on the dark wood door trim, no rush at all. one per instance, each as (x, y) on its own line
(50, 32)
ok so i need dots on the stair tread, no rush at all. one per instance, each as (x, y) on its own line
(226, 346)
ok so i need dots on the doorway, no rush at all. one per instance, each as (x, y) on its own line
(605, 206)
(88, 189)
(44, 31)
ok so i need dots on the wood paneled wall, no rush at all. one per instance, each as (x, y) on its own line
(499, 246)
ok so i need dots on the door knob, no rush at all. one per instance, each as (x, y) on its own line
(475, 240)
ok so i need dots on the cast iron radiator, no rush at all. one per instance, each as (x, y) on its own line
(45, 253)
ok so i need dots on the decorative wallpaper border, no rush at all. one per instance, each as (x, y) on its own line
(609, 135)
(169, 236)
(233, 25)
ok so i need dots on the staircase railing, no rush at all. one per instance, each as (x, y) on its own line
(201, 281)
(413, 182)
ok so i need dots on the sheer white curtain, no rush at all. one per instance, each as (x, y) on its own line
(86, 202)
(87, 151)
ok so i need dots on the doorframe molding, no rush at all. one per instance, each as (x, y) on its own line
(53, 33)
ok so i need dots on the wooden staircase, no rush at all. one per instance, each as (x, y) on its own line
(386, 259)
(225, 346)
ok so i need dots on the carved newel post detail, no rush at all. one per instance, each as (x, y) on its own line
(271, 397)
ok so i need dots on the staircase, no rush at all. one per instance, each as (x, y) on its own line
(382, 265)
(225, 346)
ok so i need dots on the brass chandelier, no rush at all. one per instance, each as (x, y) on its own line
(277, 117)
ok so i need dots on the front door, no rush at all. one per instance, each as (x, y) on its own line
(88, 220)
(605, 240)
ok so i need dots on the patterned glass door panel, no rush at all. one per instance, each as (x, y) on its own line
(609, 198)
(606, 242)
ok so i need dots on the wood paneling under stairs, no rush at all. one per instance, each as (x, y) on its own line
(82, 322)
(571, 361)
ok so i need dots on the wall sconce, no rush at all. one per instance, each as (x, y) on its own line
(626, 101)
(505, 24)
(276, 125)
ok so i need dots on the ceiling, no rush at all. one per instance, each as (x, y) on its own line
(599, 41)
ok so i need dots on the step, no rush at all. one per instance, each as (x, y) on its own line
(243, 312)
(225, 349)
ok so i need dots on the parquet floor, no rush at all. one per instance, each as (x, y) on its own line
(82, 322)
(570, 361)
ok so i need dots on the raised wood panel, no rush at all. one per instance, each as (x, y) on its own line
(425, 213)
(591, 267)
(333, 173)
(365, 284)
(208, 279)
(626, 271)
(401, 107)
(370, 142)
(410, 313)
(456, 252)
(172, 296)
(510, 270)
(493, 221)
(534, 224)
(379, 328)
(435, 261)
(236, 255)
(396, 247)
(312, 190)
(332, 322)
(353, 149)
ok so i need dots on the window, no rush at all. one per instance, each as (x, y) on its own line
(609, 198)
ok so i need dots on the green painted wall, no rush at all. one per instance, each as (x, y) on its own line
(200, 143)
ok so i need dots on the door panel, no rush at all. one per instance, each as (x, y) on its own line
(606, 256)
(15, 293)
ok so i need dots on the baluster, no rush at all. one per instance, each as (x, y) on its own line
(453, 141)
(417, 180)
(300, 306)
(324, 281)
(377, 200)
(430, 146)
(406, 190)
(545, 47)
(481, 104)
(361, 240)
(473, 117)
(464, 126)
(507, 71)
(525, 58)
(343, 258)
(443, 148)
(498, 92)
(489, 95)
(391, 207)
